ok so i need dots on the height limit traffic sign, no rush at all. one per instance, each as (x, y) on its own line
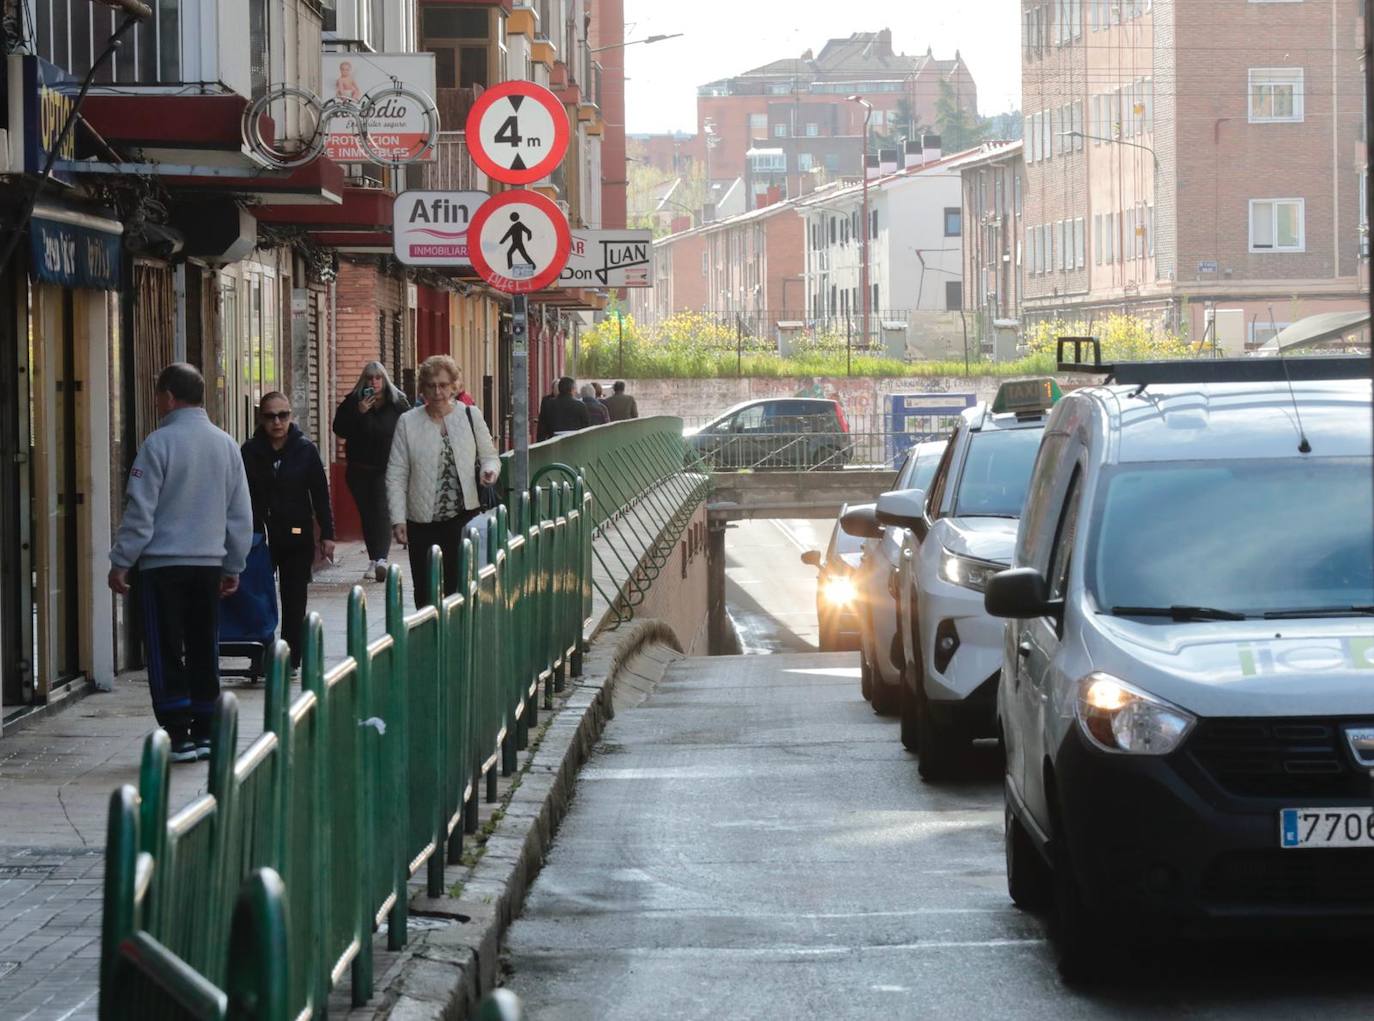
(519, 241)
(517, 132)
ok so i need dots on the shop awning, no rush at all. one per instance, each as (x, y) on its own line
(195, 143)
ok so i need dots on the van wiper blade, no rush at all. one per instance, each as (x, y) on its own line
(1178, 613)
(1320, 611)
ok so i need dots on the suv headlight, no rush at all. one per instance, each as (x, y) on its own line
(965, 571)
(1117, 717)
(839, 590)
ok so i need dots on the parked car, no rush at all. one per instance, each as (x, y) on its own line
(956, 538)
(799, 433)
(1185, 698)
(882, 661)
(837, 598)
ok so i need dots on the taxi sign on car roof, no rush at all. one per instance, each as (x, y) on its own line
(1026, 396)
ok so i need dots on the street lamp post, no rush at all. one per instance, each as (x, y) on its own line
(863, 255)
(636, 42)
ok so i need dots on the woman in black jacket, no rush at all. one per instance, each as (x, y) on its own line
(290, 494)
(366, 421)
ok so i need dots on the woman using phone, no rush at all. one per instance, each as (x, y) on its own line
(290, 495)
(366, 422)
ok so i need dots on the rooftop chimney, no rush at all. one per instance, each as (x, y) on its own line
(931, 145)
(912, 155)
(871, 166)
(887, 160)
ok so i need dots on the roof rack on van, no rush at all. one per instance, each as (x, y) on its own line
(1209, 370)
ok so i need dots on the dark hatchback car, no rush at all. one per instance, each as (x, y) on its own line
(798, 433)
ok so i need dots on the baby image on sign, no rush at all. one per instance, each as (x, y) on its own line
(399, 127)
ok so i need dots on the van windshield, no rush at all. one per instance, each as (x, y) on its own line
(1249, 536)
(996, 473)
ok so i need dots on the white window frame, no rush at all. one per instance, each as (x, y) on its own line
(1274, 203)
(1080, 242)
(1272, 76)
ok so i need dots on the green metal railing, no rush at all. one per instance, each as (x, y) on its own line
(257, 898)
(647, 484)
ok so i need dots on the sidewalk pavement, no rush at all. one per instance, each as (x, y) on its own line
(55, 781)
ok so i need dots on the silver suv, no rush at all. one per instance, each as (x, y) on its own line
(1187, 691)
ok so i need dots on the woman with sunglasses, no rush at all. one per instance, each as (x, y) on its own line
(290, 494)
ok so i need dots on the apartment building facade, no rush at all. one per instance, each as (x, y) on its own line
(178, 247)
(1191, 162)
(994, 207)
(799, 108)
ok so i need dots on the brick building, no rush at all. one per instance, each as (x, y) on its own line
(799, 106)
(1195, 162)
(737, 269)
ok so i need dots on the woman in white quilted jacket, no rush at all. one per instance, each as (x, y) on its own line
(438, 453)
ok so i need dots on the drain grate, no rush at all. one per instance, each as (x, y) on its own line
(14, 871)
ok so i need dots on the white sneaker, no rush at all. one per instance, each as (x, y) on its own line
(370, 571)
(379, 569)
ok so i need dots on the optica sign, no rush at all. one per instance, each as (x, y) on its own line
(430, 228)
(40, 99)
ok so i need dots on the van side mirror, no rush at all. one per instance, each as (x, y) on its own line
(861, 522)
(812, 557)
(904, 508)
(1021, 593)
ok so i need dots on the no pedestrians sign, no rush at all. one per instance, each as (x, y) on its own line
(517, 132)
(519, 241)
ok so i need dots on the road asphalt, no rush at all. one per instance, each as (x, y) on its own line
(753, 842)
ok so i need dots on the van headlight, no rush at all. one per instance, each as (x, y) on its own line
(1117, 717)
(967, 572)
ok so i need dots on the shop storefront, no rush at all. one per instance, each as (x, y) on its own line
(59, 358)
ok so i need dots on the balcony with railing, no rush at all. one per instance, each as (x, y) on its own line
(452, 169)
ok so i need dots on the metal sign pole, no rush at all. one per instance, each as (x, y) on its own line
(520, 368)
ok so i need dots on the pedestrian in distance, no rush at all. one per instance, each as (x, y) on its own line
(439, 454)
(187, 526)
(620, 404)
(290, 495)
(462, 396)
(596, 411)
(565, 413)
(365, 421)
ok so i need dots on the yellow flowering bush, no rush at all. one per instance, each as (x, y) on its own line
(1123, 338)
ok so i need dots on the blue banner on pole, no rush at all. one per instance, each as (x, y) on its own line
(74, 255)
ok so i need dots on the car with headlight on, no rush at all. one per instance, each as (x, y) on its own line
(837, 598)
(881, 659)
(1187, 692)
(958, 535)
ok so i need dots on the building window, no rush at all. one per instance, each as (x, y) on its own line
(1275, 94)
(1276, 225)
(758, 125)
(954, 221)
(1080, 242)
(804, 161)
(779, 130)
(1097, 239)
(873, 224)
(813, 130)
(954, 295)
(875, 304)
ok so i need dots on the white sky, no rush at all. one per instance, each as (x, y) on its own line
(725, 37)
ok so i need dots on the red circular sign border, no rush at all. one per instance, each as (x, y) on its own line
(488, 209)
(561, 132)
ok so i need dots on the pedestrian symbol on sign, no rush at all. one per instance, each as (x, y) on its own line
(516, 237)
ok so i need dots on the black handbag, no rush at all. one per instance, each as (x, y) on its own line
(488, 495)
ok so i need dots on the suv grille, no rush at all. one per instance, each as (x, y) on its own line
(1343, 876)
(1299, 757)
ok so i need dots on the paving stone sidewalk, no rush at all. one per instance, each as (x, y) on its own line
(56, 776)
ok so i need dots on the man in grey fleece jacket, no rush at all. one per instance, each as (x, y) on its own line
(188, 525)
